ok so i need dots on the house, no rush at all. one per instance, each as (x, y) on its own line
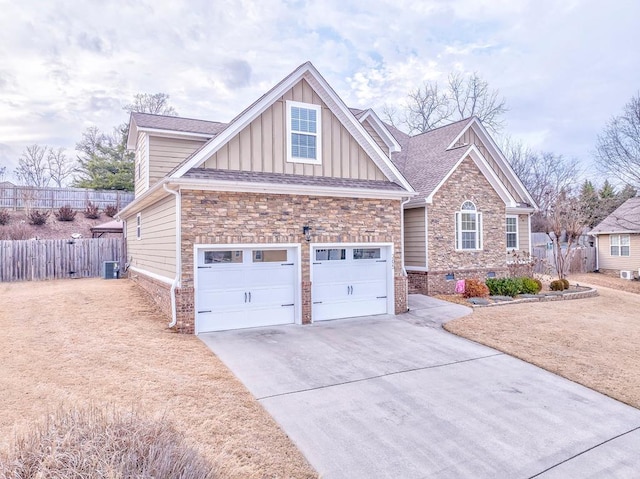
(471, 215)
(289, 213)
(618, 241)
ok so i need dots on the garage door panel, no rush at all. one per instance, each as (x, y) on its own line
(257, 290)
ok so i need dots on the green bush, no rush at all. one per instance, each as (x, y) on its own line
(530, 286)
(102, 444)
(474, 288)
(557, 285)
(503, 286)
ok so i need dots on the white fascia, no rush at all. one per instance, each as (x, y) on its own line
(381, 130)
(488, 173)
(287, 189)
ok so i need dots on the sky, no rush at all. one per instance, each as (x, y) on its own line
(564, 67)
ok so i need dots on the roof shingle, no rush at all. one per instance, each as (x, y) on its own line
(176, 123)
(624, 219)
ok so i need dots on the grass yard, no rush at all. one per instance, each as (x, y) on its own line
(594, 341)
(91, 341)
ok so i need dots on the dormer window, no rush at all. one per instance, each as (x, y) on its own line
(304, 124)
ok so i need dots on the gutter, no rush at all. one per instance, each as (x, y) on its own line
(404, 271)
(176, 281)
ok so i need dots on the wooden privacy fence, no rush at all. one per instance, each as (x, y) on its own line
(20, 197)
(31, 260)
(583, 260)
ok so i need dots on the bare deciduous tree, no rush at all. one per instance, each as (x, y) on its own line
(61, 167)
(430, 106)
(32, 167)
(565, 221)
(471, 96)
(156, 103)
(618, 146)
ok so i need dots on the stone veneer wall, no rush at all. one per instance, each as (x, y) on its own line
(210, 217)
(466, 183)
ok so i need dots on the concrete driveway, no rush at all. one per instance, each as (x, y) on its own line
(399, 397)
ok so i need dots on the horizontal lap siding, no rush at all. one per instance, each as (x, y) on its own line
(622, 263)
(156, 250)
(140, 173)
(261, 146)
(414, 237)
(167, 153)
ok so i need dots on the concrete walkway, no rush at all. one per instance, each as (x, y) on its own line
(384, 397)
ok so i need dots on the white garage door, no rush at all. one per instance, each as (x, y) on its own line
(245, 287)
(349, 281)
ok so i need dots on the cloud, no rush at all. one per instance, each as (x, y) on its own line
(236, 74)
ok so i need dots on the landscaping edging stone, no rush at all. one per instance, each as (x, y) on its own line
(553, 296)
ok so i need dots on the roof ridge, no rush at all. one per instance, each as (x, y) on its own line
(468, 119)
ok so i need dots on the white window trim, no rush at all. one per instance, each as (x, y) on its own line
(139, 226)
(318, 134)
(618, 244)
(517, 233)
(458, 228)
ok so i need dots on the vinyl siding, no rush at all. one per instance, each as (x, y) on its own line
(414, 238)
(261, 146)
(141, 164)
(156, 250)
(376, 137)
(167, 153)
(523, 237)
(631, 262)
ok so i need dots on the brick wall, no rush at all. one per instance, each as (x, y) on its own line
(243, 218)
(157, 290)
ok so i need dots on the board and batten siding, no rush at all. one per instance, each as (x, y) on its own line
(141, 164)
(619, 263)
(414, 237)
(261, 146)
(167, 153)
(469, 137)
(156, 250)
(374, 134)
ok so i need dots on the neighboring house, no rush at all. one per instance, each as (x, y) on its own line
(471, 214)
(618, 240)
(290, 213)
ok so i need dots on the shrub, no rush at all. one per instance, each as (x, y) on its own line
(65, 213)
(18, 231)
(503, 286)
(110, 210)
(91, 211)
(565, 281)
(4, 217)
(102, 444)
(530, 286)
(557, 285)
(38, 218)
(474, 288)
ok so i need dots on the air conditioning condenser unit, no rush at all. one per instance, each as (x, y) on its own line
(626, 274)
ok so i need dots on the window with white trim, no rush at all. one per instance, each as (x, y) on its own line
(304, 124)
(468, 227)
(512, 232)
(138, 226)
(619, 245)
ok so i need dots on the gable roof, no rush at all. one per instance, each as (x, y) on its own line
(625, 219)
(309, 73)
(428, 159)
(162, 123)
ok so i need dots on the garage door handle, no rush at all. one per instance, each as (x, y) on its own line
(283, 305)
(205, 311)
(380, 297)
(381, 261)
(249, 296)
(317, 302)
(204, 267)
(245, 297)
(287, 264)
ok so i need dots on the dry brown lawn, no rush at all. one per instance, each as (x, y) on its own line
(98, 342)
(594, 341)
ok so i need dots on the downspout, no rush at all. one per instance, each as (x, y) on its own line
(176, 280)
(404, 271)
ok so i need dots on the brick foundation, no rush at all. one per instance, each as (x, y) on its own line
(436, 282)
(158, 291)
